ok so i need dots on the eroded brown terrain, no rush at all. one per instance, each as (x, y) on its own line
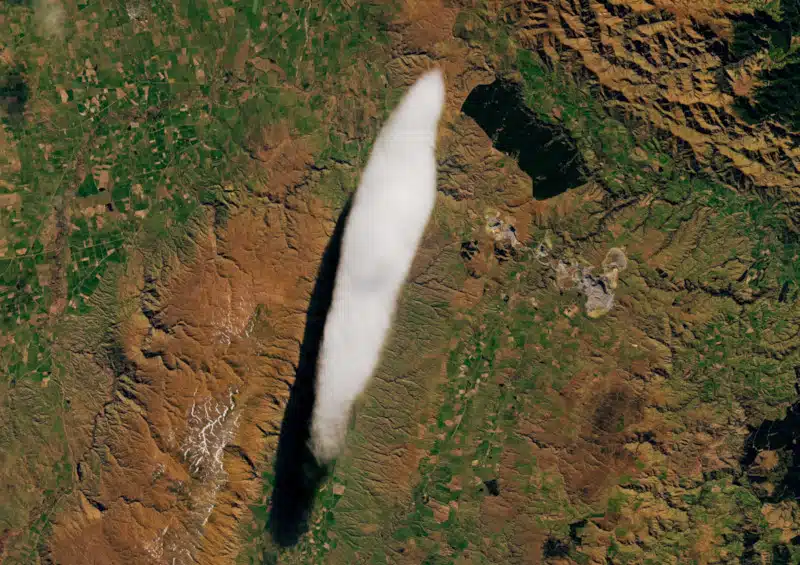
(666, 63)
(172, 450)
(187, 406)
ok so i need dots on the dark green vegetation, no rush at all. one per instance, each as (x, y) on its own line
(628, 160)
(543, 152)
(720, 304)
(782, 436)
(127, 119)
(13, 94)
(142, 115)
(778, 95)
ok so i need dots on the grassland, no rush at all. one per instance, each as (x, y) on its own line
(735, 279)
(546, 432)
(122, 124)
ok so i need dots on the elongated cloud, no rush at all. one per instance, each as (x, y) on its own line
(390, 211)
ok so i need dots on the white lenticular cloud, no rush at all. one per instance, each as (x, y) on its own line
(388, 217)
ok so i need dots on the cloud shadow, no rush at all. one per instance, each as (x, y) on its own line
(14, 94)
(298, 476)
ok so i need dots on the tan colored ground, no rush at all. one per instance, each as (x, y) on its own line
(228, 318)
(656, 61)
(198, 346)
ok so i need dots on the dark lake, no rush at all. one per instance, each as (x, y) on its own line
(544, 151)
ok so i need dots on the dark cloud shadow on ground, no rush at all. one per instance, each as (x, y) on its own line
(298, 476)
